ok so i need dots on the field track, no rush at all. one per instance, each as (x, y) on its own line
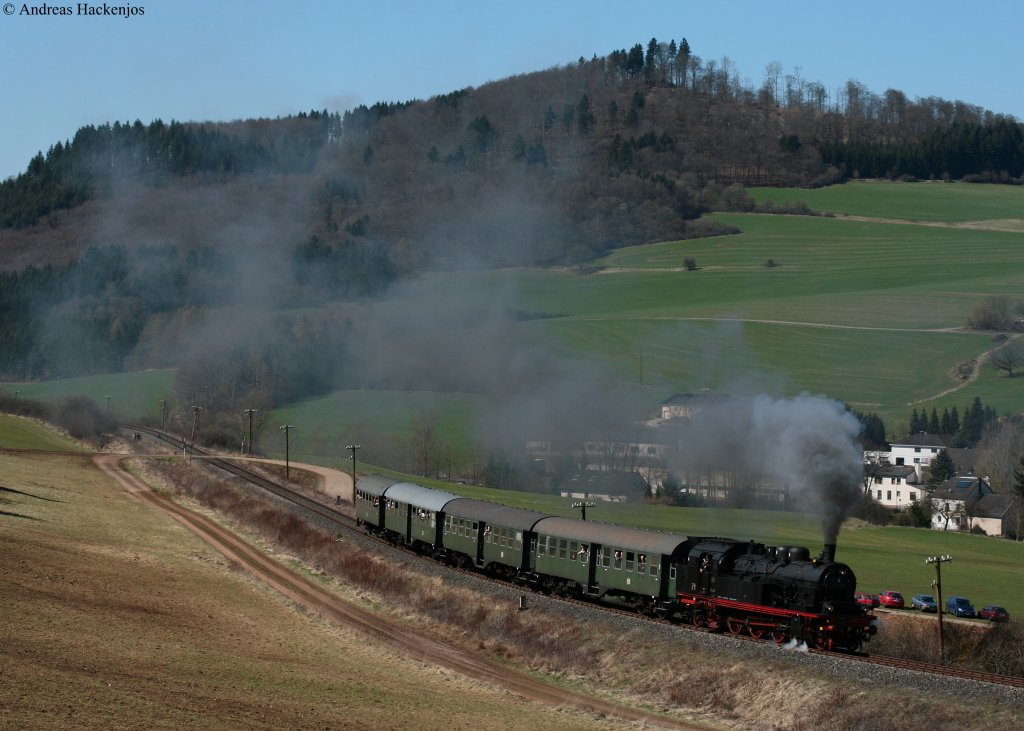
(318, 601)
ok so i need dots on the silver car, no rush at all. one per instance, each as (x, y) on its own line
(924, 602)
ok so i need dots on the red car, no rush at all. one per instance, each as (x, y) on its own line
(891, 599)
(994, 613)
(866, 600)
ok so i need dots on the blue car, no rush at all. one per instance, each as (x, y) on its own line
(924, 602)
(959, 607)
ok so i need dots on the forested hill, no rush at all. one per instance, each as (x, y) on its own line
(545, 168)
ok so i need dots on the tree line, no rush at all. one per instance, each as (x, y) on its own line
(86, 166)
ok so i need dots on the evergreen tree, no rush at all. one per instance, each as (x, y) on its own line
(934, 426)
(940, 470)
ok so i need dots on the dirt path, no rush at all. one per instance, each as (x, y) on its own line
(376, 627)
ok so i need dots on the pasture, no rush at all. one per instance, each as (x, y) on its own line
(870, 312)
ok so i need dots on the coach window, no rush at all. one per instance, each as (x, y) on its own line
(654, 569)
(671, 571)
(562, 548)
(606, 556)
(618, 559)
(584, 553)
(573, 549)
(519, 540)
(629, 561)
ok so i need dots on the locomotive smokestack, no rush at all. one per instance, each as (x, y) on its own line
(829, 554)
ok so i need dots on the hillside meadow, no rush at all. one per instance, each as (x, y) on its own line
(870, 312)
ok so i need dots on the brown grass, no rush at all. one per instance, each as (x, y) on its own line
(116, 617)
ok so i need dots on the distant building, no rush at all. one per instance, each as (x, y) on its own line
(955, 502)
(894, 486)
(617, 487)
(918, 450)
(688, 405)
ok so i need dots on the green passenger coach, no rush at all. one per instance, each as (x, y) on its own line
(411, 513)
(493, 537)
(603, 560)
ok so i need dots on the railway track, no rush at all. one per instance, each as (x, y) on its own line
(335, 520)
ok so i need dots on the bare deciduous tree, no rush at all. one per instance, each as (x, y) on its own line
(1009, 357)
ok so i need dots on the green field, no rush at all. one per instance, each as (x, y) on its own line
(132, 395)
(944, 202)
(20, 433)
(866, 311)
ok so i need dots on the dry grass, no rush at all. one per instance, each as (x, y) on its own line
(778, 696)
(116, 617)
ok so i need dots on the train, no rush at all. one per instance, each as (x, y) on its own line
(776, 593)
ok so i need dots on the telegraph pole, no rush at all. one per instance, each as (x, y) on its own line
(195, 422)
(250, 412)
(938, 561)
(352, 448)
(163, 413)
(286, 428)
(583, 505)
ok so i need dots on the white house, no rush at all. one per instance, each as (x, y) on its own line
(894, 486)
(918, 450)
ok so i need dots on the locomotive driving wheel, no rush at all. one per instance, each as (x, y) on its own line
(735, 625)
(756, 632)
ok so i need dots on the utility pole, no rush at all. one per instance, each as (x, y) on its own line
(108, 403)
(286, 428)
(163, 413)
(583, 505)
(250, 412)
(938, 561)
(195, 422)
(352, 448)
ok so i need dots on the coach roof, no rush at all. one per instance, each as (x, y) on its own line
(375, 484)
(494, 514)
(611, 535)
(419, 496)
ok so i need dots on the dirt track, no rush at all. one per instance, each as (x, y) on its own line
(318, 601)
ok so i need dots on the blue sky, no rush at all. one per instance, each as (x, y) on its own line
(191, 60)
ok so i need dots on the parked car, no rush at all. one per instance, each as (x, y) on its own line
(866, 600)
(924, 602)
(891, 599)
(959, 606)
(994, 613)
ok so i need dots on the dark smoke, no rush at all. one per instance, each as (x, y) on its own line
(807, 443)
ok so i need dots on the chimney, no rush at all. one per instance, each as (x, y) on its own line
(829, 554)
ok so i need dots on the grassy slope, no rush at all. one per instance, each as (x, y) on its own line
(19, 433)
(660, 330)
(131, 394)
(117, 617)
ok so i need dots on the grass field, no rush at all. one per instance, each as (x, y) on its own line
(114, 616)
(942, 202)
(132, 395)
(19, 433)
(865, 311)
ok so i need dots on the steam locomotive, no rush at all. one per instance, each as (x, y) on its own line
(740, 587)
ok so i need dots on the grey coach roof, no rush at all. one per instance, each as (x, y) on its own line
(494, 514)
(611, 535)
(375, 484)
(419, 496)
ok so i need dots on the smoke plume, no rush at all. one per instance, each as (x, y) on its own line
(807, 443)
